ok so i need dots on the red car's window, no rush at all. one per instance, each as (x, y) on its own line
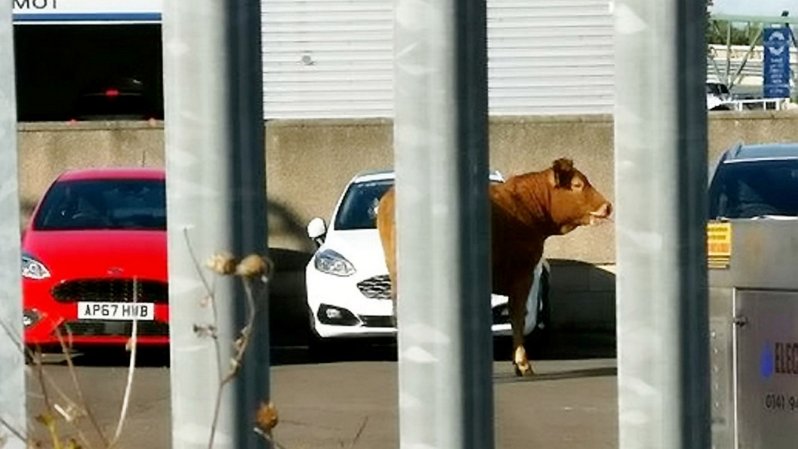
(103, 204)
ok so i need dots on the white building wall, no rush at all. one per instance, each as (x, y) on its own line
(334, 58)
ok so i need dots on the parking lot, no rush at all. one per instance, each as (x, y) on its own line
(352, 402)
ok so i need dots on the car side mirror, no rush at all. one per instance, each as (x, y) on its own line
(317, 230)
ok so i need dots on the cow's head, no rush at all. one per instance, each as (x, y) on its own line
(574, 201)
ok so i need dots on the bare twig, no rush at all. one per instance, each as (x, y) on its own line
(12, 335)
(131, 368)
(269, 438)
(242, 342)
(26, 352)
(215, 335)
(64, 397)
(235, 365)
(79, 390)
(48, 422)
(252, 267)
(44, 380)
(196, 263)
(359, 432)
(37, 361)
(14, 431)
(69, 402)
(210, 290)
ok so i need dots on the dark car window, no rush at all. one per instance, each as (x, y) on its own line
(104, 204)
(359, 207)
(754, 188)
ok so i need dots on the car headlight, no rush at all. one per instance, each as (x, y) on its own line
(330, 262)
(33, 269)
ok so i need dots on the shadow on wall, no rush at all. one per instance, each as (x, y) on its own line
(287, 229)
(25, 210)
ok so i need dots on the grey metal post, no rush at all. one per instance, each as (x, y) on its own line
(216, 197)
(440, 142)
(660, 172)
(12, 362)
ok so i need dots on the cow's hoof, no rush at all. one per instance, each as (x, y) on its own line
(523, 372)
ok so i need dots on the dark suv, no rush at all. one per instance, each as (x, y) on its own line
(755, 181)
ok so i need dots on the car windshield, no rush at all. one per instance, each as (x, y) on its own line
(104, 204)
(755, 188)
(359, 207)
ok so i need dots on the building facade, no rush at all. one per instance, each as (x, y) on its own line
(321, 58)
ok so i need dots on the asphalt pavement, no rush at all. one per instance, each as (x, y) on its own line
(348, 403)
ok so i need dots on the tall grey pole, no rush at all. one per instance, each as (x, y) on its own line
(12, 362)
(660, 172)
(440, 142)
(216, 195)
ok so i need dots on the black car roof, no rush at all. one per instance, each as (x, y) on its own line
(752, 152)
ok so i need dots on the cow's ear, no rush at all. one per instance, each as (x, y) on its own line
(563, 172)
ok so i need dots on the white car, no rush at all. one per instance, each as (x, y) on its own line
(347, 279)
(718, 96)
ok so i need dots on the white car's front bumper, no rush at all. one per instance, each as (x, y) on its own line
(340, 309)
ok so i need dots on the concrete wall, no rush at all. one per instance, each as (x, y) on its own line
(310, 161)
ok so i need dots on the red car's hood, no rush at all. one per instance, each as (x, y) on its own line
(99, 254)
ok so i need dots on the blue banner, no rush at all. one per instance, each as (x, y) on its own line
(776, 66)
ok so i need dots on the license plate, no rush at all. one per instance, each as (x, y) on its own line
(116, 311)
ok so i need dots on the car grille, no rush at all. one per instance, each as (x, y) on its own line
(376, 321)
(377, 287)
(499, 317)
(111, 290)
(88, 328)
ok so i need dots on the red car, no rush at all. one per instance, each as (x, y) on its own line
(94, 260)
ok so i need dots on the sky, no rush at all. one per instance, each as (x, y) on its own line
(767, 8)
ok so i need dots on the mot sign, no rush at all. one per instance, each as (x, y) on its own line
(86, 11)
(776, 67)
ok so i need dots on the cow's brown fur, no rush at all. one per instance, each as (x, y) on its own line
(525, 211)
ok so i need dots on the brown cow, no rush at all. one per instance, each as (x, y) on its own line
(525, 210)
